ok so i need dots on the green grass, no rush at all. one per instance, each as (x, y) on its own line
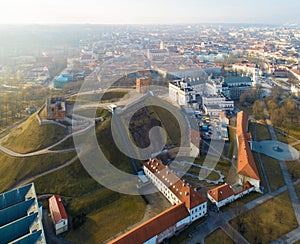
(232, 146)
(218, 236)
(71, 181)
(110, 96)
(293, 131)
(93, 113)
(109, 220)
(273, 172)
(110, 150)
(30, 136)
(268, 221)
(284, 139)
(262, 132)
(69, 143)
(294, 169)
(261, 175)
(14, 169)
(92, 202)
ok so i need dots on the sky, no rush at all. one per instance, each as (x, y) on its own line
(148, 11)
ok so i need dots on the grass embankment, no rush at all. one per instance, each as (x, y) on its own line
(260, 172)
(110, 96)
(273, 172)
(268, 221)
(283, 138)
(105, 212)
(218, 236)
(13, 170)
(93, 113)
(232, 142)
(30, 136)
(109, 220)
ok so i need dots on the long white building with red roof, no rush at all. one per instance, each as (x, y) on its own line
(248, 177)
(58, 214)
(189, 206)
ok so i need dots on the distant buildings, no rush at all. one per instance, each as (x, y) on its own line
(189, 206)
(21, 216)
(58, 214)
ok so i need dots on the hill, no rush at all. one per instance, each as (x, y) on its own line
(30, 136)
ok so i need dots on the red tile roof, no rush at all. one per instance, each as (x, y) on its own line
(57, 208)
(246, 163)
(221, 192)
(181, 189)
(154, 226)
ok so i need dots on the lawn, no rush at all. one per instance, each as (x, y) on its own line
(109, 96)
(109, 220)
(232, 146)
(273, 172)
(218, 236)
(30, 136)
(71, 181)
(268, 221)
(261, 175)
(69, 143)
(284, 139)
(93, 113)
(13, 170)
(262, 132)
(294, 169)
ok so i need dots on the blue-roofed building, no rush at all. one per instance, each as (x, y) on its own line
(21, 217)
(61, 80)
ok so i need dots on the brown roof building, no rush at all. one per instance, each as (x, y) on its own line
(189, 206)
(247, 169)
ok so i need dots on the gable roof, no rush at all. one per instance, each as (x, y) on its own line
(181, 189)
(154, 226)
(246, 163)
(221, 192)
(57, 209)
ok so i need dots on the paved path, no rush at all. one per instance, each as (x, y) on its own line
(28, 180)
(233, 234)
(295, 234)
(216, 220)
(290, 237)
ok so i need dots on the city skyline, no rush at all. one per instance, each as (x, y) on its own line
(149, 12)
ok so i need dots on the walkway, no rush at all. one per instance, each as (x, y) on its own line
(216, 220)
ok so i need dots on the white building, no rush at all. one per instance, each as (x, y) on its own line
(224, 194)
(58, 214)
(189, 206)
(213, 105)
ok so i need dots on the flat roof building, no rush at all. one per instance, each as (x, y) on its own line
(21, 216)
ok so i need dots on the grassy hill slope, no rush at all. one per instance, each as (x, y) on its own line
(30, 136)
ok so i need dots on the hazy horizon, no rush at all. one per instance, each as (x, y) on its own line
(149, 12)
